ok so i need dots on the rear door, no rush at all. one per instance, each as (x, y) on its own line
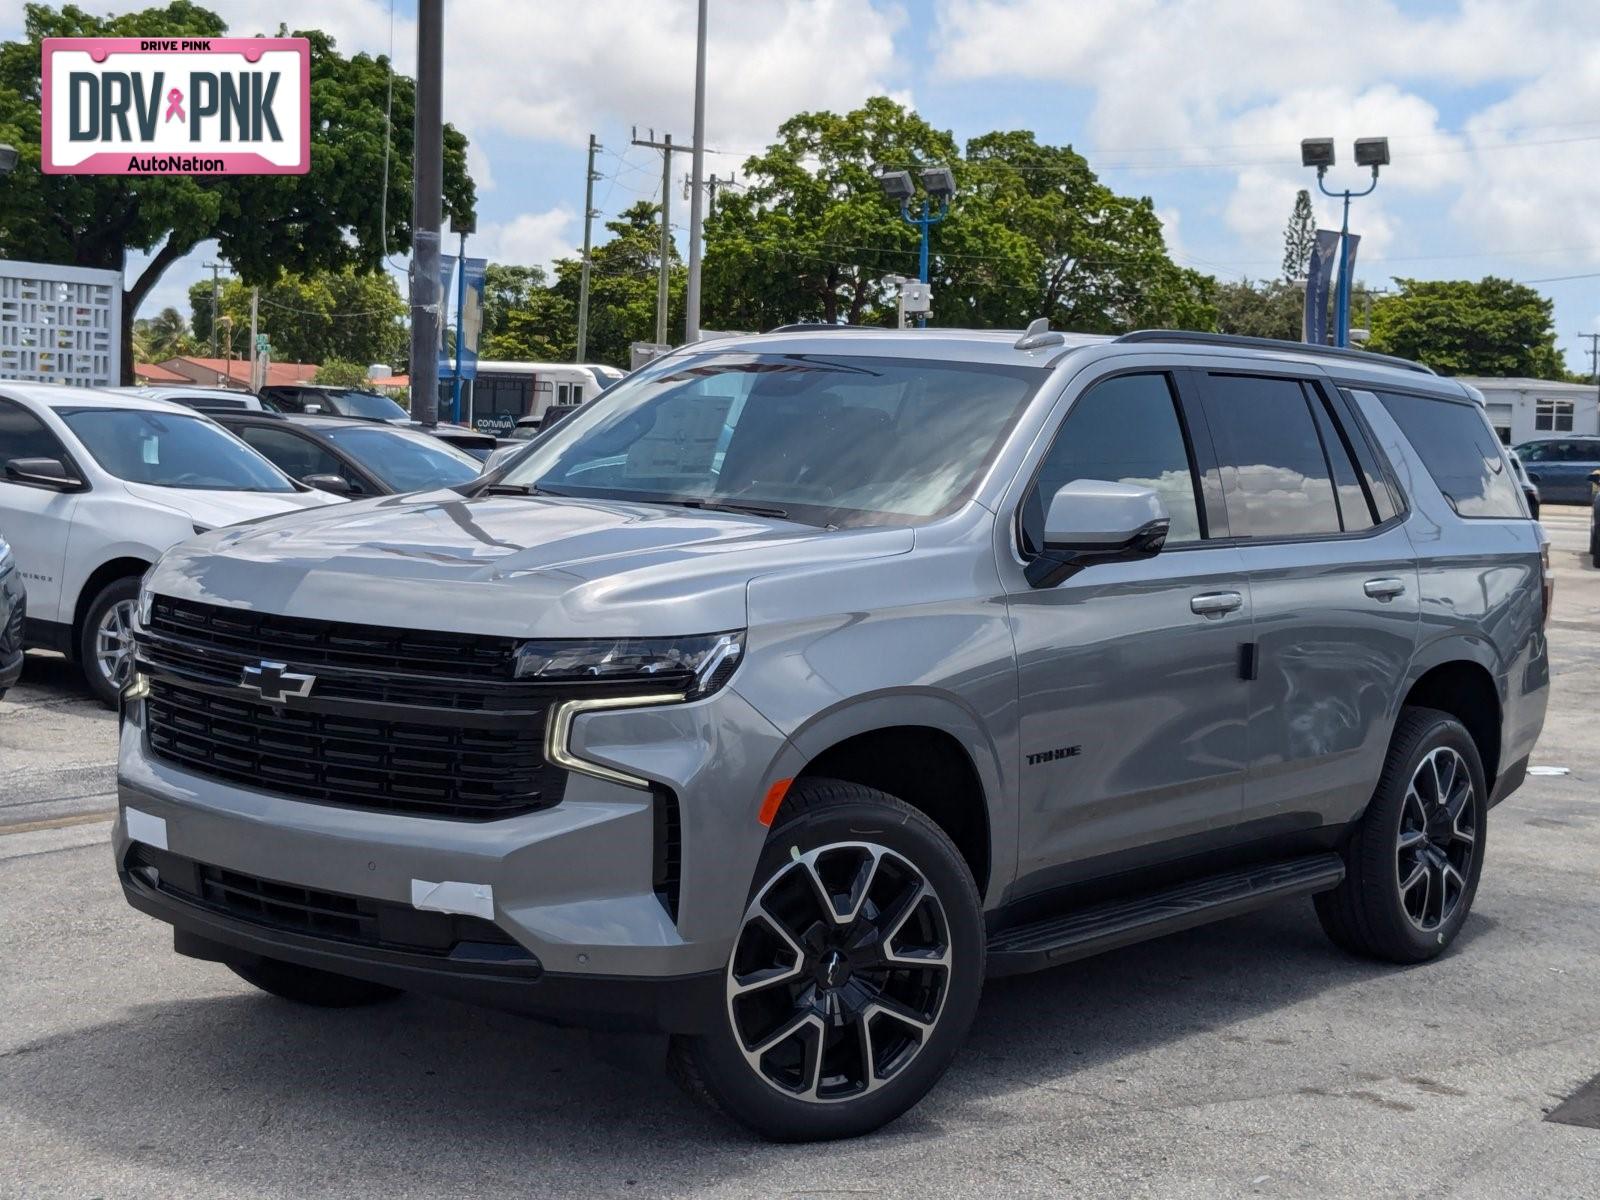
(1560, 468)
(35, 520)
(1333, 584)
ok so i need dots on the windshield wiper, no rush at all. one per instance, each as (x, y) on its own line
(508, 489)
(735, 506)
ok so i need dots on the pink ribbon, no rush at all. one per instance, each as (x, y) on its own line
(175, 105)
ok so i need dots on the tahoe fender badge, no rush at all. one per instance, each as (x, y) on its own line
(1056, 755)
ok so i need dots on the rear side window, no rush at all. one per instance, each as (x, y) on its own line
(1461, 452)
(1275, 471)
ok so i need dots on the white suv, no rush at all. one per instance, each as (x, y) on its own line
(94, 487)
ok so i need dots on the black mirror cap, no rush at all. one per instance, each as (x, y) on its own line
(336, 484)
(1060, 562)
(43, 472)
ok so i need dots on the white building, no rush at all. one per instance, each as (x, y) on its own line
(60, 324)
(1525, 410)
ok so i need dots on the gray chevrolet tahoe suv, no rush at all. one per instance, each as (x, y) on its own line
(801, 682)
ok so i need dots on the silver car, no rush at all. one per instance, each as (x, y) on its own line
(786, 692)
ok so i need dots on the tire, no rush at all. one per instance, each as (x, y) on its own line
(307, 985)
(1376, 912)
(120, 596)
(876, 853)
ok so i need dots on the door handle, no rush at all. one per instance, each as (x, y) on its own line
(1214, 604)
(1386, 588)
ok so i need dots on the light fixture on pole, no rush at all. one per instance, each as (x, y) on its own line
(938, 184)
(1318, 152)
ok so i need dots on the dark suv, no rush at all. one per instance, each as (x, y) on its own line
(784, 693)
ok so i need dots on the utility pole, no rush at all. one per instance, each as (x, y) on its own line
(255, 352)
(214, 267)
(583, 279)
(1594, 359)
(691, 330)
(666, 147)
(712, 185)
(427, 205)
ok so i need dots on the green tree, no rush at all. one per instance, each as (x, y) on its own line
(1299, 237)
(507, 288)
(1031, 233)
(165, 335)
(340, 373)
(346, 314)
(1270, 309)
(1460, 327)
(330, 218)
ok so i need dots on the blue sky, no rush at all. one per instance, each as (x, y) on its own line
(1492, 108)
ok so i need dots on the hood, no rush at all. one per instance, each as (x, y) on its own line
(215, 509)
(516, 566)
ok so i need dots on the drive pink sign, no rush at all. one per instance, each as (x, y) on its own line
(177, 106)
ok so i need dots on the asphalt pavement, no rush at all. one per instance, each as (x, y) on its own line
(1247, 1058)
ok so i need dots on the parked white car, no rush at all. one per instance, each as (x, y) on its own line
(94, 487)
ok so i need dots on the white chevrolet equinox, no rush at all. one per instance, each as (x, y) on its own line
(94, 487)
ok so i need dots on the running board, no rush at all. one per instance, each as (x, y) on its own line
(1055, 940)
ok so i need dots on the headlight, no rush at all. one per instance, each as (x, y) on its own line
(6, 559)
(690, 666)
(146, 600)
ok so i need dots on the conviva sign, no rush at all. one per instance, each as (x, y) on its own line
(176, 106)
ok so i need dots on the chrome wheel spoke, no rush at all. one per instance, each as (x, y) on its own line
(814, 998)
(1418, 874)
(1410, 839)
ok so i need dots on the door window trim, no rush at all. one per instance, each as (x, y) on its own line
(1336, 414)
(1191, 449)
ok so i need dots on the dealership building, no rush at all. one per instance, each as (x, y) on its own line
(1525, 410)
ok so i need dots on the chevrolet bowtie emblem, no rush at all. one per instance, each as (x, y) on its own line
(276, 682)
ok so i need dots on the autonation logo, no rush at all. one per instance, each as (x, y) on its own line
(171, 106)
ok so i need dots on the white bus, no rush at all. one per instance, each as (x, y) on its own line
(504, 391)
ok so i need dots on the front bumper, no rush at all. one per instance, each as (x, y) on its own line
(573, 885)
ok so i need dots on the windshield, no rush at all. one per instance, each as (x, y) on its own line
(829, 440)
(405, 461)
(365, 404)
(172, 450)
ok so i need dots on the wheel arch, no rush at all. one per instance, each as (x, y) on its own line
(112, 569)
(1458, 678)
(930, 752)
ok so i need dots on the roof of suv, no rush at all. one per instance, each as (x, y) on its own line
(59, 395)
(1002, 346)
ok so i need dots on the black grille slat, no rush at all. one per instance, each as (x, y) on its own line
(288, 906)
(457, 774)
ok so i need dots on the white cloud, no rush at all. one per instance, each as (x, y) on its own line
(528, 240)
(559, 71)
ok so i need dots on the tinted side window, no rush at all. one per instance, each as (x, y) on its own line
(1379, 490)
(1274, 470)
(294, 455)
(1461, 452)
(1123, 430)
(23, 435)
(1355, 507)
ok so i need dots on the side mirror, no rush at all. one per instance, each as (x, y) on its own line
(337, 484)
(1092, 521)
(43, 472)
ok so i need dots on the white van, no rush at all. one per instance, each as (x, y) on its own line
(504, 391)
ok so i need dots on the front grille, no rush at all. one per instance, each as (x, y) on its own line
(207, 644)
(423, 769)
(296, 909)
(312, 643)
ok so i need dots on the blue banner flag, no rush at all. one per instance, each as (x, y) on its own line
(1320, 270)
(447, 276)
(469, 320)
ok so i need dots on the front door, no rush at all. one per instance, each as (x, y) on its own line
(1132, 705)
(35, 520)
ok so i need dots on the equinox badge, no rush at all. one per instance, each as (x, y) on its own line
(276, 682)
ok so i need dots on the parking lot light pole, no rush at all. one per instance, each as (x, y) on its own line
(1318, 153)
(938, 184)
